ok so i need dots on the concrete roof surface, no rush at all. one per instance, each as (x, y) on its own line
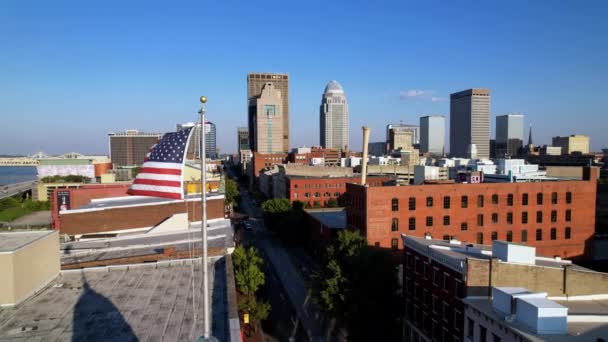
(147, 302)
(113, 202)
(11, 241)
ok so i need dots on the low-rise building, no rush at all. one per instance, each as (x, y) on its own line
(440, 277)
(572, 143)
(557, 217)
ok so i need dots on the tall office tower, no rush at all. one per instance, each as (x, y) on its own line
(255, 84)
(129, 148)
(194, 145)
(509, 134)
(242, 138)
(432, 134)
(266, 121)
(470, 122)
(413, 129)
(400, 139)
(334, 117)
(210, 140)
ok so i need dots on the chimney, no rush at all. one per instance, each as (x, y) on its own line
(364, 159)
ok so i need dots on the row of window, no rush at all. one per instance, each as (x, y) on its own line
(317, 194)
(464, 200)
(317, 186)
(429, 222)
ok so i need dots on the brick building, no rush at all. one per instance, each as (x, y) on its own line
(556, 217)
(438, 275)
(308, 189)
(261, 161)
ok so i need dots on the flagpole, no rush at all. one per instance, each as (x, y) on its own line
(205, 284)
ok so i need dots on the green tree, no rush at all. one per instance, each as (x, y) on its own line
(358, 285)
(332, 203)
(275, 211)
(231, 192)
(257, 310)
(248, 274)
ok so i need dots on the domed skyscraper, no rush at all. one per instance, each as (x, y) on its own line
(334, 117)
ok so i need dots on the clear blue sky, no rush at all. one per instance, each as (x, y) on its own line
(71, 71)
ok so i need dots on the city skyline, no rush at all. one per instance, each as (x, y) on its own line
(138, 75)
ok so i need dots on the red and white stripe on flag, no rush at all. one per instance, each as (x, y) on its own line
(159, 180)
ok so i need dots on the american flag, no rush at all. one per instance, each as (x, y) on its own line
(161, 173)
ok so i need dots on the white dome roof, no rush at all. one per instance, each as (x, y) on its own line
(334, 87)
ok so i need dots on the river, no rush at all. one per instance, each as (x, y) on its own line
(17, 174)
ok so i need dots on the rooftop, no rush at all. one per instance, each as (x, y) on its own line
(455, 253)
(11, 242)
(159, 301)
(334, 218)
(333, 87)
(130, 201)
(587, 319)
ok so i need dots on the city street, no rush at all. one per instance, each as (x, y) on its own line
(298, 294)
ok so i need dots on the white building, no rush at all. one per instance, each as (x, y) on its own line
(334, 117)
(432, 134)
(424, 173)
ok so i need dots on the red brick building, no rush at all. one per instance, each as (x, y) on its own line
(557, 217)
(308, 189)
(262, 161)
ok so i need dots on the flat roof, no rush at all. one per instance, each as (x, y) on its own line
(122, 303)
(335, 218)
(577, 331)
(127, 201)
(12, 241)
(463, 250)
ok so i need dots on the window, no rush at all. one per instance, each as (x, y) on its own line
(470, 328)
(494, 217)
(524, 199)
(553, 234)
(412, 223)
(429, 221)
(446, 238)
(412, 203)
(317, 194)
(554, 198)
(539, 235)
(446, 202)
(524, 235)
(539, 198)
(524, 217)
(494, 199)
(464, 202)
(480, 238)
(336, 194)
(480, 201)
(480, 220)
(568, 197)
(307, 194)
(539, 217)
(509, 235)
(553, 215)
(482, 333)
(435, 305)
(510, 200)
(394, 244)
(494, 236)
(510, 218)
(435, 276)
(464, 226)
(327, 194)
(568, 215)
(395, 204)
(446, 220)
(429, 201)
(567, 233)
(395, 225)
(446, 311)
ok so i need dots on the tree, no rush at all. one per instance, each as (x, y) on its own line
(358, 285)
(249, 277)
(275, 211)
(231, 192)
(332, 203)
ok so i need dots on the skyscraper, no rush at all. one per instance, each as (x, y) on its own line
(509, 134)
(470, 122)
(255, 84)
(266, 121)
(130, 148)
(210, 140)
(432, 134)
(334, 117)
(242, 139)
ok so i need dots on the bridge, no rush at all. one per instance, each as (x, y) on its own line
(18, 161)
(15, 189)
